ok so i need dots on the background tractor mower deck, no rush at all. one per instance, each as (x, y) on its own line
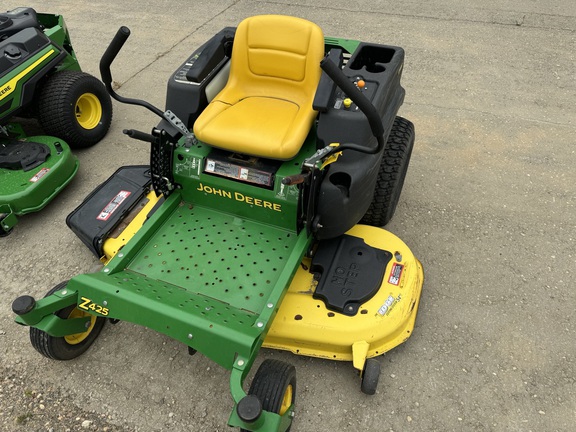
(40, 78)
(228, 244)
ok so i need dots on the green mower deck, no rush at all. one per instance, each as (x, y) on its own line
(23, 192)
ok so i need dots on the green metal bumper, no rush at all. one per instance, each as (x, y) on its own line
(43, 317)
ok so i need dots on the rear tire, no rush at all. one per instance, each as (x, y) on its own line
(66, 347)
(75, 107)
(391, 175)
(275, 386)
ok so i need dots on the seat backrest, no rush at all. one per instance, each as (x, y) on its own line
(277, 56)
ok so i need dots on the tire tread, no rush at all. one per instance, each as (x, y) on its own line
(56, 103)
(391, 174)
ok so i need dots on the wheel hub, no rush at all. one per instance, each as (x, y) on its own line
(287, 399)
(88, 111)
(74, 339)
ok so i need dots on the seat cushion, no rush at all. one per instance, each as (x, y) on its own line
(254, 130)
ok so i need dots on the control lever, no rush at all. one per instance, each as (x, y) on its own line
(140, 136)
(361, 101)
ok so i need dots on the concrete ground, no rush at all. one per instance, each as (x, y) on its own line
(489, 207)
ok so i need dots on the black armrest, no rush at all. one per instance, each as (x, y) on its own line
(326, 86)
(213, 52)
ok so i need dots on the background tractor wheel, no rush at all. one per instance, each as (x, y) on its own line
(71, 346)
(275, 386)
(393, 168)
(75, 107)
(4, 233)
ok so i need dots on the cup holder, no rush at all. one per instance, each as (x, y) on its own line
(5, 22)
(373, 58)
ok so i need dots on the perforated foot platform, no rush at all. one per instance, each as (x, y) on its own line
(349, 272)
(203, 277)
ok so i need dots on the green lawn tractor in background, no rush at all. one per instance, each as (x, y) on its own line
(40, 78)
(258, 221)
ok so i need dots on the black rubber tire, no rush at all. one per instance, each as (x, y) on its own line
(271, 383)
(2, 232)
(370, 376)
(391, 174)
(57, 104)
(57, 348)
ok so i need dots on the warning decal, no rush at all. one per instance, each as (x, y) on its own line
(113, 205)
(39, 175)
(396, 274)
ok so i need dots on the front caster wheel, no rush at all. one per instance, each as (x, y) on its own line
(370, 376)
(71, 346)
(275, 386)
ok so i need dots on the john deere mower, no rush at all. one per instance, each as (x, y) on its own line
(258, 221)
(40, 78)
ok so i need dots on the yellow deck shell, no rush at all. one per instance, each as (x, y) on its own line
(304, 326)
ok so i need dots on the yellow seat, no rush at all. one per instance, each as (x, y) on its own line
(265, 109)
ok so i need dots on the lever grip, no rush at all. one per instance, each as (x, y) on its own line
(111, 53)
(140, 136)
